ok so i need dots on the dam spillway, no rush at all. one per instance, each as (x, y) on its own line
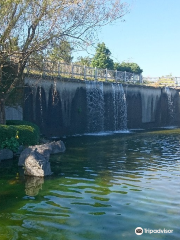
(67, 107)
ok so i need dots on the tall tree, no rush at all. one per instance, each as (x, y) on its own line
(37, 23)
(61, 52)
(102, 58)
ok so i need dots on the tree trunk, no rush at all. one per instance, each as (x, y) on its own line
(2, 112)
(2, 102)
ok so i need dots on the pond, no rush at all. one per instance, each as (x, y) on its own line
(103, 187)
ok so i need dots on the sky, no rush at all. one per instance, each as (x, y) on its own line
(150, 37)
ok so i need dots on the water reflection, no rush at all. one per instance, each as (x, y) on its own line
(102, 188)
(33, 185)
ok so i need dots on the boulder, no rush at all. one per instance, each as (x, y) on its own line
(24, 154)
(19, 151)
(44, 149)
(57, 147)
(35, 159)
(6, 154)
(37, 165)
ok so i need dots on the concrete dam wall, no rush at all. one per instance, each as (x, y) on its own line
(67, 107)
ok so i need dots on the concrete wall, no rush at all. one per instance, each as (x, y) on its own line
(14, 113)
(151, 107)
(59, 107)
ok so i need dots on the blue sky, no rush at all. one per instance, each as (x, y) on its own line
(150, 37)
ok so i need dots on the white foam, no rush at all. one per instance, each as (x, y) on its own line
(107, 133)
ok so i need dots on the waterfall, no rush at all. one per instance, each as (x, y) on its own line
(40, 102)
(65, 107)
(120, 107)
(95, 106)
(170, 105)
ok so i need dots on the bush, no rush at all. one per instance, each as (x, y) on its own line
(20, 122)
(28, 135)
(11, 144)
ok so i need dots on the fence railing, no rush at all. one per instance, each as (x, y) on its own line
(151, 79)
(177, 81)
(84, 72)
(169, 81)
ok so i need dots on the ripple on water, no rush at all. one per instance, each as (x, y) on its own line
(102, 188)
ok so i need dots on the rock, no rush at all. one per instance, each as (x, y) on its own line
(57, 147)
(44, 140)
(37, 165)
(19, 151)
(24, 154)
(44, 149)
(35, 159)
(6, 154)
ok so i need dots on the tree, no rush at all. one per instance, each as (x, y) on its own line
(36, 24)
(102, 58)
(84, 61)
(128, 67)
(61, 52)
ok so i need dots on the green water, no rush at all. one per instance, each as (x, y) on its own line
(103, 187)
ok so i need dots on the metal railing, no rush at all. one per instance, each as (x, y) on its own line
(58, 69)
(151, 79)
(174, 81)
(177, 81)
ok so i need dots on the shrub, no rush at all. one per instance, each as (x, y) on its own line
(21, 122)
(28, 135)
(11, 144)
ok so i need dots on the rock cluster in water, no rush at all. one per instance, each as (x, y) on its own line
(35, 159)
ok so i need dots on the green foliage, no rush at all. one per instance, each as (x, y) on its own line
(11, 144)
(21, 122)
(61, 52)
(102, 57)
(7, 77)
(84, 61)
(128, 67)
(16, 97)
(12, 44)
(28, 135)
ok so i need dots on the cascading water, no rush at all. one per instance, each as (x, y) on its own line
(95, 106)
(40, 102)
(170, 105)
(78, 107)
(120, 107)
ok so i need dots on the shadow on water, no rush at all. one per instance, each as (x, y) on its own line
(102, 188)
